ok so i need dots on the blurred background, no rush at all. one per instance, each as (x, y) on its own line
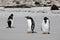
(29, 2)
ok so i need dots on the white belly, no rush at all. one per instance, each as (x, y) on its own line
(29, 24)
(11, 22)
(45, 26)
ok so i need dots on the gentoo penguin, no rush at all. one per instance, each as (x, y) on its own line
(10, 21)
(45, 26)
(31, 24)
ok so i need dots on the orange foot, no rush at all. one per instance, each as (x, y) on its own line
(46, 33)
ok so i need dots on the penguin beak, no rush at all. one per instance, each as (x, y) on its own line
(25, 16)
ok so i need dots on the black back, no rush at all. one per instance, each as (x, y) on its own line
(10, 17)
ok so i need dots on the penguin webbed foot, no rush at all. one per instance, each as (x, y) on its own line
(8, 27)
(34, 32)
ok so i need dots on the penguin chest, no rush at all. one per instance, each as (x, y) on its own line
(11, 22)
(45, 26)
(29, 22)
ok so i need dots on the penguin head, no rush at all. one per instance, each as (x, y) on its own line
(45, 18)
(12, 15)
(27, 17)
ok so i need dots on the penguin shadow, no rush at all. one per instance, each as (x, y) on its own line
(10, 27)
(46, 33)
(31, 32)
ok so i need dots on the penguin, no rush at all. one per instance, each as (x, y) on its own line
(45, 26)
(10, 21)
(31, 24)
